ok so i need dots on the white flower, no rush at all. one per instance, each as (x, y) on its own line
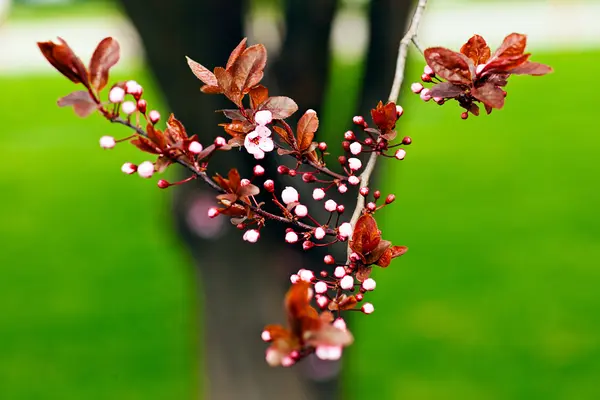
(128, 107)
(319, 233)
(116, 95)
(251, 235)
(107, 142)
(345, 229)
(195, 147)
(354, 163)
(400, 154)
(146, 169)
(355, 148)
(301, 210)
(263, 117)
(369, 284)
(289, 195)
(318, 194)
(258, 142)
(321, 287)
(347, 282)
(330, 205)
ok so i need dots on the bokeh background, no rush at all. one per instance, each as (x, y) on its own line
(497, 299)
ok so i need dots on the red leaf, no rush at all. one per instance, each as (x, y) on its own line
(227, 85)
(385, 117)
(202, 73)
(490, 95)
(156, 136)
(104, 58)
(175, 130)
(512, 45)
(449, 65)
(531, 68)
(257, 96)
(476, 49)
(82, 103)
(236, 53)
(307, 126)
(146, 145)
(504, 64)
(365, 236)
(446, 89)
(283, 134)
(280, 106)
(248, 69)
(211, 89)
(474, 109)
(65, 61)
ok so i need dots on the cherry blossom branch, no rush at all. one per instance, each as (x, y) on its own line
(202, 175)
(409, 36)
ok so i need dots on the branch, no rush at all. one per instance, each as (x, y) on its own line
(409, 36)
(202, 175)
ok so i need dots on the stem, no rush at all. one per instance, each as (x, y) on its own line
(409, 36)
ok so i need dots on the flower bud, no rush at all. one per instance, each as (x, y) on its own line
(266, 336)
(107, 142)
(354, 257)
(292, 172)
(368, 141)
(377, 194)
(359, 120)
(213, 212)
(269, 185)
(347, 282)
(128, 168)
(306, 275)
(322, 302)
(354, 163)
(340, 208)
(282, 170)
(116, 95)
(318, 194)
(367, 308)
(369, 284)
(251, 235)
(330, 205)
(128, 107)
(390, 198)
(308, 177)
(355, 148)
(322, 146)
(406, 140)
(400, 154)
(220, 142)
(294, 278)
(154, 117)
(345, 230)
(339, 272)
(342, 188)
(364, 191)
(319, 233)
(464, 115)
(320, 287)
(349, 135)
(146, 169)
(307, 245)
(426, 78)
(371, 206)
(289, 195)
(244, 182)
(291, 237)
(163, 184)
(399, 111)
(427, 70)
(353, 180)
(142, 105)
(328, 259)
(346, 145)
(439, 100)
(425, 95)
(258, 170)
(359, 297)
(195, 147)
(263, 117)
(416, 87)
(301, 210)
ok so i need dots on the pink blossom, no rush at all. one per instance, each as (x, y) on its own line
(263, 117)
(301, 210)
(354, 163)
(353, 180)
(294, 278)
(107, 142)
(128, 168)
(251, 235)
(328, 352)
(319, 233)
(416, 87)
(339, 272)
(330, 205)
(291, 237)
(318, 194)
(146, 169)
(306, 275)
(355, 148)
(367, 308)
(154, 116)
(116, 95)
(195, 147)
(345, 230)
(347, 282)
(427, 70)
(322, 301)
(220, 141)
(425, 94)
(258, 170)
(289, 195)
(320, 287)
(213, 212)
(369, 284)
(400, 154)
(266, 336)
(258, 142)
(128, 107)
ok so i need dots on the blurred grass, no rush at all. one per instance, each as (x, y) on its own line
(82, 9)
(497, 297)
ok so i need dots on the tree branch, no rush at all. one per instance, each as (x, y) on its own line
(409, 36)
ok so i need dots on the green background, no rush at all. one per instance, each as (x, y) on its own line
(496, 299)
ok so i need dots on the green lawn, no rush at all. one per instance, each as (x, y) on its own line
(497, 298)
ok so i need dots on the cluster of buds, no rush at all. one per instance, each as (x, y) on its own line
(258, 125)
(475, 75)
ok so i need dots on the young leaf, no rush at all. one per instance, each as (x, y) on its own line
(202, 73)
(226, 83)
(505, 64)
(280, 106)
(490, 95)
(512, 45)
(247, 71)
(257, 96)
(476, 49)
(81, 101)
(65, 61)
(449, 65)
(531, 68)
(236, 53)
(307, 126)
(366, 236)
(446, 89)
(105, 56)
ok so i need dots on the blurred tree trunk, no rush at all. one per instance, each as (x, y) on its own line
(243, 285)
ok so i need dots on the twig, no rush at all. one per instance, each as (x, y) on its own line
(409, 36)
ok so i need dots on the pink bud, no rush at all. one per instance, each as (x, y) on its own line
(291, 237)
(328, 259)
(116, 95)
(342, 188)
(339, 272)
(345, 229)
(340, 208)
(320, 287)
(308, 177)
(371, 206)
(263, 117)
(399, 111)
(364, 191)
(154, 117)
(349, 135)
(390, 198)
(213, 212)
(244, 182)
(340, 324)
(330, 205)
(283, 170)
(347, 282)
(289, 195)
(142, 105)
(322, 146)
(367, 308)
(439, 100)
(322, 302)
(355, 148)
(369, 284)
(353, 180)
(359, 120)
(427, 70)
(258, 170)
(406, 140)
(251, 235)
(464, 115)
(294, 278)
(400, 154)
(306, 275)
(301, 210)
(163, 184)
(354, 257)
(319, 233)
(416, 87)
(425, 95)
(220, 141)
(426, 78)
(346, 145)
(354, 163)
(292, 172)
(266, 336)
(269, 185)
(195, 147)
(377, 194)
(131, 86)
(146, 169)
(128, 107)
(129, 168)
(107, 142)
(318, 194)
(307, 245)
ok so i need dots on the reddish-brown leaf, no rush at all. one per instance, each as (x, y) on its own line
(366, 236)
(236, 53)
(211, 89)
(490, 95)
(280, 106)
(376, 254)
(175, 130)
(202, 73)
(234, 179)
(82, 103)
(233, 114)
(247, 71)
(476, 49)
(146, 145)
(397, 251)
(449, 65)
(504, 64)
(162, 163)
(227, 85)
(64, 60)
(344, 302)
(105, 56)
(474, 109)
(283, 134)
(307, 126)
(531, 68)
(513, 45)
(363, 272)
(385, 117)
(446, 90)
(248, 190)
(257, 96)
(156, 136)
